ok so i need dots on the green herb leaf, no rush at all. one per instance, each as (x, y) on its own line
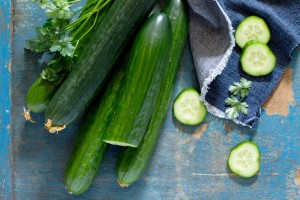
(238, 89)
(233, 101)
(232, 112)
(63, 46)
(49, 75)
(242, 88)
(59, 9)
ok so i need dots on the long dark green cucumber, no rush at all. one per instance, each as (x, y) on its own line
(41, 91)
(92, 67)
(132, 162)
(89, 148)
(148, 59)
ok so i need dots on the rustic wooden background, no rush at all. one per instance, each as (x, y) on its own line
(188, 163)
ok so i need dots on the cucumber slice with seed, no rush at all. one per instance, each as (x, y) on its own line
(188, 108)
(252, 28)
(257, 59)
(244, 159)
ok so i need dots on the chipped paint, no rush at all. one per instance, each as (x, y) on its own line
(199, 132)
(228, 126)
(297, 178)
(188, 140)
(282, 97)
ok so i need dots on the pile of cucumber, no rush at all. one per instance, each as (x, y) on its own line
(252, 35)
(122, 82)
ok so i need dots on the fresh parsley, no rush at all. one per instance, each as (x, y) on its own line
(239, 90)
(61, 33)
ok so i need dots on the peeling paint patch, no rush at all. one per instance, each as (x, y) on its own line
(282, 97)
(297, 178)
(199, 132)
(188, 140)
(229, 126)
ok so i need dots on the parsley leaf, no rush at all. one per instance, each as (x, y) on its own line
(59, 9)
(242, 88)
(232, 112)
(239, 90)
(64, 46)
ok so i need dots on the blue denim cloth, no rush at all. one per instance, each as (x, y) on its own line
(283, 19)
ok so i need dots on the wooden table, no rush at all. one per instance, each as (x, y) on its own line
(188, 163)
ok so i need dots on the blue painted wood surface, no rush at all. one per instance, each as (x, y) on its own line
(184, 166)
(5, 101)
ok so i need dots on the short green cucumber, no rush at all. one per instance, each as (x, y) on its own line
(40, 94)
(89, 148)
(252, 28)
(148, 60)
(188, 108)
(41, 91)
(132, 162)
(257, 59)
(94, 64)
(244, 159)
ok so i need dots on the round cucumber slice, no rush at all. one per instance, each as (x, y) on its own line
(257, 59)
(188, 108)
(244, 159)
(252, 28)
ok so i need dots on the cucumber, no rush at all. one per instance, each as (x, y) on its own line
(188, 109)
(92, 67)
(244, 159)
(89, 148)
(146, 66)
(257, 59)
(41, 91)
(132, 162)
(40, 94)
(252, 28)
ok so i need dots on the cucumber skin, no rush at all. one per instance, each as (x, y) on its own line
(39, 95)
(237, 146)
(178, 96)
(148, 60)
(89, 148)
(132, 162)
(87, 78)
(41, 91)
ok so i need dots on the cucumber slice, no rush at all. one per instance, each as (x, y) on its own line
(244, 159)
(188, 108)
(257, 59)
(252, 28)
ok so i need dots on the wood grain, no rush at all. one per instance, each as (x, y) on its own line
(180, 168)
(5, 102)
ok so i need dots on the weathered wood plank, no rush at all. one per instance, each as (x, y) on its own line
(188, 163)
(5, 67)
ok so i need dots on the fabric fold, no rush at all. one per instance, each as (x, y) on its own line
(216, 57)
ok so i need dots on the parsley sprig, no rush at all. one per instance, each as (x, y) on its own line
(239, 90)
(61, 34)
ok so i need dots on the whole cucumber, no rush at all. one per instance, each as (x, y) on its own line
(41, 91)
(148, 59)
(89, 148)
(132, 162)
(94, 64)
